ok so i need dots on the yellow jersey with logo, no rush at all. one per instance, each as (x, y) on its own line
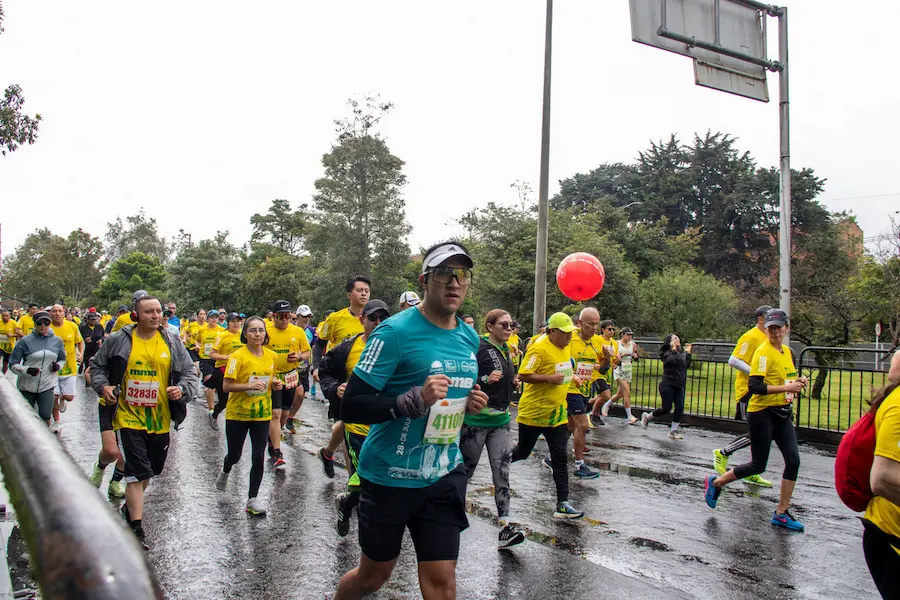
(227, 343)
(70, 335)
(339, 326)
(190, 335)
(744, 349)
(614, 345)
(352, 359)
(26, 324)
(8, 335)
(286, 341)
(143, 403)
(881, 511)
(206, 339)
(544, 404)
(245, 367)
(776, 367)
(585, 354)
(121, 321)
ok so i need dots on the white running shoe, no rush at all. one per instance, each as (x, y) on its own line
(55, 427)
(645, 420)
(255, 506)
(674, 435)
(62, 405)
(221, 481)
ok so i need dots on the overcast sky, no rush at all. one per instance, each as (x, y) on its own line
(202, 112)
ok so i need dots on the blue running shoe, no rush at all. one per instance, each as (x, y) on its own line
(712, 492)
(787, 521)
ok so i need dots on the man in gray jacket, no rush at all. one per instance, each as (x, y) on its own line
(37, 359)
(147, 375)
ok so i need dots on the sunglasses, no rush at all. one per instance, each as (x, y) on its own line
(505, 325)
(42, 322)
(445, 274)
(285, 315)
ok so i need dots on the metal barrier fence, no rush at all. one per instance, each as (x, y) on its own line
(79, 547)
(841, 382)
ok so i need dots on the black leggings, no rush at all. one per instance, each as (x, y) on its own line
(764, 426)
(670, 395)
(43, 401)
(883, 562)
(235, 434)
(557, 439)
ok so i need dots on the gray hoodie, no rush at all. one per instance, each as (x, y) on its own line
(39, 352)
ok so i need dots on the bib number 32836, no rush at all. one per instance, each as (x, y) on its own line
(444, 421)
(142, 393)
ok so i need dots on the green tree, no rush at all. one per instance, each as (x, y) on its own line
(207, 275)
(691, 303)
(16, 127)
(281, 229)
(137, 234)
(279, 277)
(136, 271)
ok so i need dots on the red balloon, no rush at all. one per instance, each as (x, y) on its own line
(580, 276)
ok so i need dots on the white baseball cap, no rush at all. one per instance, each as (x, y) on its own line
(410, 298)
(304, 311)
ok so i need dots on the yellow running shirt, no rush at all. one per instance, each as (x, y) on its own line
(514, 353)
(601, 341)
(206, 339)
(339, 326)
(284, 342)
(744, 350)
(355, 352)
(544, 404)
(26, 324)
(121, 321)
(881, 511)
(143, 404)
(70, 335)
(244, 366)
(776, 368)
(227, 343)
(190, 335)
(104, 320)
(8, 335)
(585, 355)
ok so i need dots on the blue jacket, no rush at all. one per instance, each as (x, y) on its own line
(39, 352)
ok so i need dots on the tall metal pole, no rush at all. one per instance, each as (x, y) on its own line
(784, 238)
(540, 265)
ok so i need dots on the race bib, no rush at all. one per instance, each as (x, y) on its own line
(265, 379)
(4, 338)
(790, 396)
(584, 370)
(142, 393)
(444, 421)
(566, 370)
(207, 348)
(291, 379)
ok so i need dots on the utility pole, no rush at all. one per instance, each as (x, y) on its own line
(784, 132)
(540, 266)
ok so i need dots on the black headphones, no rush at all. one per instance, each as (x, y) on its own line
(244, 330)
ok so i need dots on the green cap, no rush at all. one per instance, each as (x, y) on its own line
(561, 321)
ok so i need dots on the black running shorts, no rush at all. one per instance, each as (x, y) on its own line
(577, 404)
(283, 399)
(435, 516)
(207, 366)
(195, 356)
(599, 386)
(144, 453)
(216, 378)
(107, 414)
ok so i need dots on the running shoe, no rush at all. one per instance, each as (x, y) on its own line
(142, 539)
(674, 435)
(509, 536)
(586, 450)
(344, 511)
(564, 510)
(632, 420)
(256, 507)
(712, 492)
(604, 411)
(116, 489)
(645, 420)
(591, 425)
(327, 463)
(290, 427)
(758, 480)
(720, 461)
(787, 521)
(221, 481)
(62, 406)
(585, 472)
(596, 420)
(213, 423)
(279, 463)
(55, 427)
(97, 476)
(125, 514)
(547, 462)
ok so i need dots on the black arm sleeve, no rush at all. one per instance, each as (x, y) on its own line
(318, 352)
(757, 385)
(365, 405)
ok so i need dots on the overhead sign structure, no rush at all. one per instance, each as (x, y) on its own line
(727, 41)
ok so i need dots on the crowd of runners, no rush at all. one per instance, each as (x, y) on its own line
(415, 391)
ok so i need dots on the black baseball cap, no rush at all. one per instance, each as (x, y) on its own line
(373, 306)
(41, 314)
(282, 306)
(232, 316)
(627, 331)
(762, 310)
(122, 308)
(776, 316)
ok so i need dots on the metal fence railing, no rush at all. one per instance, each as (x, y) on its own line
(79, 547)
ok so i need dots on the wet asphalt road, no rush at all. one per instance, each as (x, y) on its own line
(647, 533)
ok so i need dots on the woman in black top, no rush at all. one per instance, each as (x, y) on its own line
(672, 385)
(490, 427)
